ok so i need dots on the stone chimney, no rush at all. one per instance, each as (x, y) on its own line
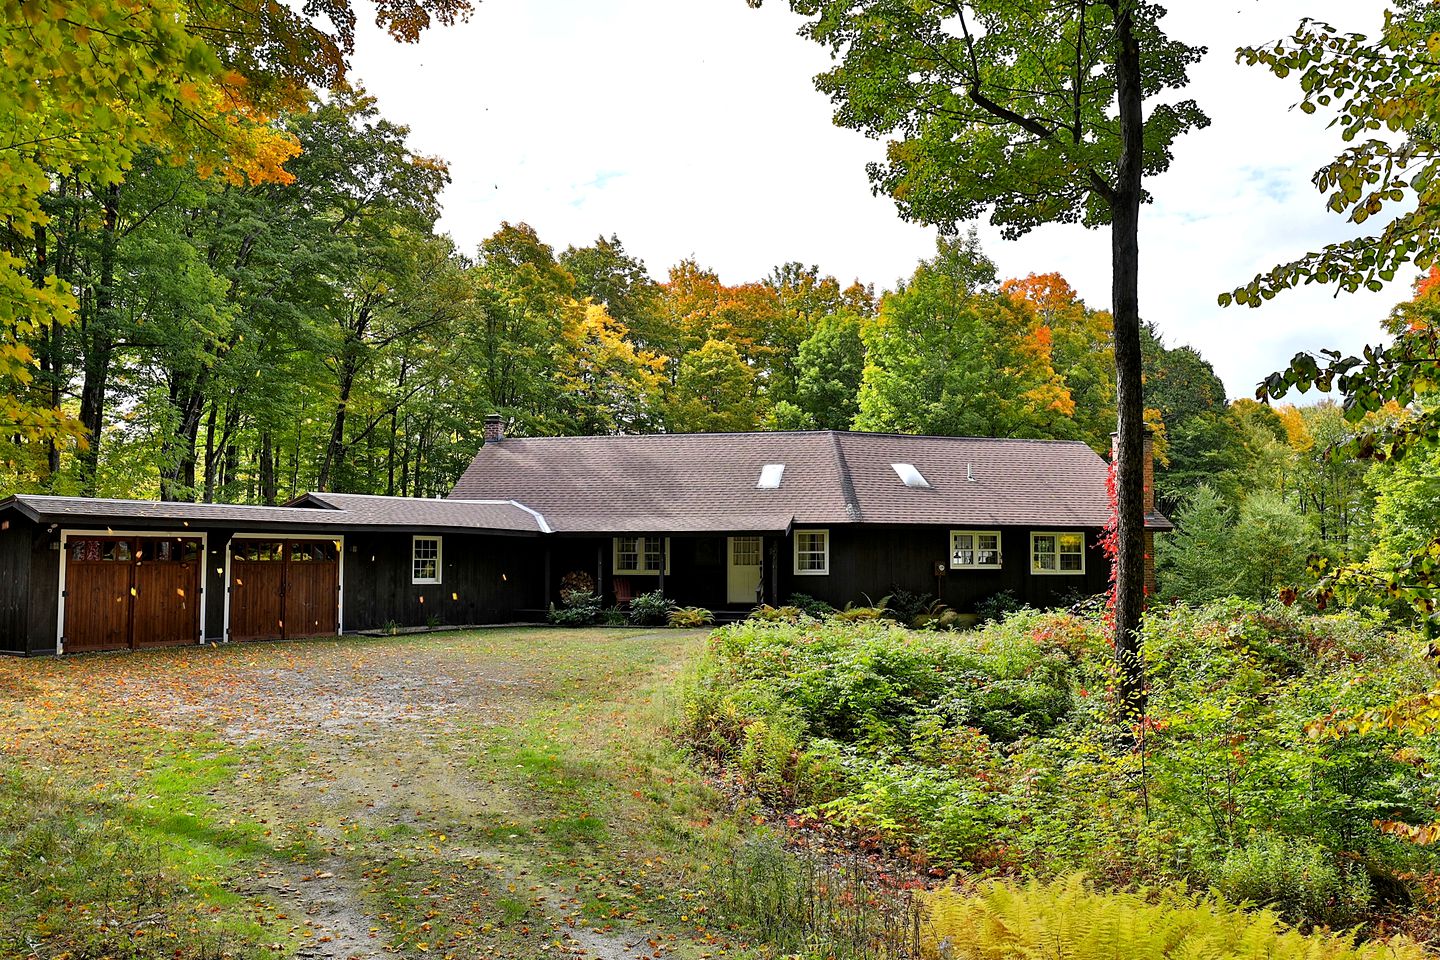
(494, 428)
(1147, 468)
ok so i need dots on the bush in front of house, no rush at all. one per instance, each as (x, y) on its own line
(996, 749)
(691, 617)
(650, 609)
(579, 603)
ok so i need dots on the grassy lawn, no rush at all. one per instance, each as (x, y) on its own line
(498, 793)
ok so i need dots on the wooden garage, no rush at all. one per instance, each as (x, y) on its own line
(131, 592)
(282, 589)
(84, 574)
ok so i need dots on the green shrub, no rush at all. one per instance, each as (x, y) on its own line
(854, 612)
(578, 609)
(818, 609)
(997, 606)
(614, 616)
(650, 609)
(907, 606)
(768, 614)
(1297, 880)
(691, 617)
(996, 749)
(579, 603)
(1070, 919)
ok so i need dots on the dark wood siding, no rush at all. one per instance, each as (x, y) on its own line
(44, 591)
(483, 579)
(865, 562)
(15, 550)
(873, 561)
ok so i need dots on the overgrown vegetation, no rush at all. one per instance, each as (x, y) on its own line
(996, 751)
(1071, 919)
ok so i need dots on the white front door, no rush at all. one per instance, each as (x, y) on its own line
(742, 570)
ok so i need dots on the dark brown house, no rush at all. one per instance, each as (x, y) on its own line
(724, 521)
(729, 520)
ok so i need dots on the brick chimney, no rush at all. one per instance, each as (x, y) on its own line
(494, 428)
(1147, 467)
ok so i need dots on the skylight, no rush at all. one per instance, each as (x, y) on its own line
(770, 476)
(911, 476)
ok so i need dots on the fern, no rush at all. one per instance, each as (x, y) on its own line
(1069, 919)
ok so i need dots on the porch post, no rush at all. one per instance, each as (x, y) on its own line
(600, 570)
(774, 571)
(664, 560)
(545, 595)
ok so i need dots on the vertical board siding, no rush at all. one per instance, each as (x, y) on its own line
(868, 563)
(15, 547)
(483, 579)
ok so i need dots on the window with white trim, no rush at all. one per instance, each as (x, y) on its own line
(974, 549)
(812, 553)
(641, 555)
(1057, 553)
(425, 560)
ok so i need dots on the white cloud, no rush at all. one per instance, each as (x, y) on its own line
(693, 128)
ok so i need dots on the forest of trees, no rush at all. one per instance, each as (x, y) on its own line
(249, 342)
(246, 343)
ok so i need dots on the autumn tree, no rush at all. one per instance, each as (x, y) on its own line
(1035, 112)
(714, 391)
(950, 355)
(1081, 348)
(831, 364)
(606, 273)
(88, 87)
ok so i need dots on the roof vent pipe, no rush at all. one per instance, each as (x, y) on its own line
(494, 428)
(970, 472)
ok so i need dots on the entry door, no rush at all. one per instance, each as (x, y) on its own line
(742, 571)
(280, 589)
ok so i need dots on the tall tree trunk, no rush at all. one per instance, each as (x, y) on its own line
(268, 488)
(51, 361)
(210, 464)
(229, 448)
(1129, 389)
(177, 451)
(99, 351)
(334, 460)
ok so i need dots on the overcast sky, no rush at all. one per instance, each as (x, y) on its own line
(692, 128)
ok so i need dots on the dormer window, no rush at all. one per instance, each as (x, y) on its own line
(770, 476)
(911, 477)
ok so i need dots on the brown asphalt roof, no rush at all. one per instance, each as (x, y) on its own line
(320, 511)
(673, 483)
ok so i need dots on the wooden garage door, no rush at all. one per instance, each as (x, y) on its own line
(257, 570)
(284, 588)
(131, 592)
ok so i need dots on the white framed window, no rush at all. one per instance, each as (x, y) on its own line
(425, 560)
(812, 553)
(974, 549)
(641, 555)
(1057, 553)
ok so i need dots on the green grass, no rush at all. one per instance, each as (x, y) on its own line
(205, 789)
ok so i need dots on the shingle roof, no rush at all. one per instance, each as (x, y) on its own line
(674, 483)
(319, 511)
(374, 510)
